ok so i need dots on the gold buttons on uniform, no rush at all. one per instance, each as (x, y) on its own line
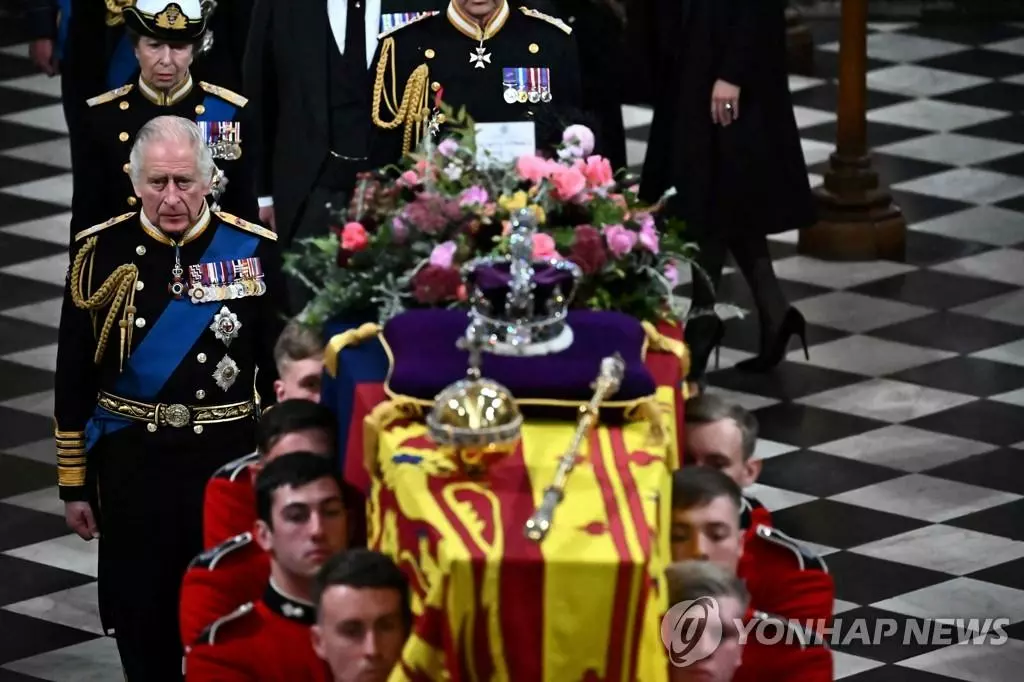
(141, 250)
(200, 394)
(200, 109)
(151, 428)
(429, 54)
(139, 285)
(140, 322)
(123, 105)
(127, 168)
(534, 48)
(435, 86)
(198, 428)
(132, 201)
(123, 137)
(201, 358)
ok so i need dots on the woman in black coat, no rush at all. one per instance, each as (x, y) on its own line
(725, 137)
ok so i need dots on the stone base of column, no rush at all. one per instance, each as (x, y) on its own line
(857, 217)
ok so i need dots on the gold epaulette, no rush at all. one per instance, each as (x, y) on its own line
(421, 17)
(102, 226)
(246, 225)
(554, 21)
(224, 94)
(110, 95)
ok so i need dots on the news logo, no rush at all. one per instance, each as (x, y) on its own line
(691, 631)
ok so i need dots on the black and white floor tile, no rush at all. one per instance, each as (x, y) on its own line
(897, 449)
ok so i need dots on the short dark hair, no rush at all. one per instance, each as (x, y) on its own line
(709, 408)
(363, 569)
(695, 486)
(295, 470)
(289, 416)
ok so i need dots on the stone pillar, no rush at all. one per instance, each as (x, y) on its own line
(799, 44)
(858, 220)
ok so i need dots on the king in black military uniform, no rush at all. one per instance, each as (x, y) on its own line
(516, 65)
(165, 35)
(167, 315)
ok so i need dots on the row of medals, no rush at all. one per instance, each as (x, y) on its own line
(223, 292)
(513, 96)
(220, 292)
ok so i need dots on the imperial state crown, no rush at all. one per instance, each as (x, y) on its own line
(518, 302)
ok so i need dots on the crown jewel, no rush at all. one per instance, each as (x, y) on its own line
(520, 303)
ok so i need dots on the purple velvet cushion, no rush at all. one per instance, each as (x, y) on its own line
(425, 359)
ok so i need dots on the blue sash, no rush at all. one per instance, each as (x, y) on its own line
(217, 109)
(123, 63)
(169, 340)
(63, 18)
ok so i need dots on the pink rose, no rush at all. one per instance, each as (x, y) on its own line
(354, 237)
(409, 179)
(648, 233)
(579, 137)
(534, 168)
(568, 183)
(544, 246)
(473, 196)
(597, 170)
(620, 240)
(443, 255)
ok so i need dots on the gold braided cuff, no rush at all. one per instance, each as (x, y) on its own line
(71, 457)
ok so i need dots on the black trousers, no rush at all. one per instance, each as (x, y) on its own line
(330, 196)
(151, 490)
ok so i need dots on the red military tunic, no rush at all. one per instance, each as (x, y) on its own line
(229, 504)
(789, 654)
(790, 587)
(268, 641)
(220, 580)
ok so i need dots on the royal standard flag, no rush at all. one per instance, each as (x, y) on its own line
(492, 606)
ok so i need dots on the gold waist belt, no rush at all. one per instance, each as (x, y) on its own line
(175, 415)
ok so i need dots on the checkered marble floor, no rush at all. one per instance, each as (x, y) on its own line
(898, 449)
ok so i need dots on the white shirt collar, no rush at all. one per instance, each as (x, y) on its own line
(337, 15)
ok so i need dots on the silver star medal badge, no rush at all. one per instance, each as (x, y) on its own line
(225, 326)
(481, 58)
(226, 373)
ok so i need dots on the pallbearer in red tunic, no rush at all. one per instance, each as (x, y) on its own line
(787, 583)
(302, 523)
(229, 506)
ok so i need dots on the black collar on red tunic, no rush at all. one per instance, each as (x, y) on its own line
(288, 607)
(747, 505)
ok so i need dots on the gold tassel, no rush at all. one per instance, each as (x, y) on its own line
(410, 111)
(349, 337)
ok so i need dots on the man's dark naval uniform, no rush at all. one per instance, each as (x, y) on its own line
(307, 76)
(521, 66)
(115, 118)
(154, 392)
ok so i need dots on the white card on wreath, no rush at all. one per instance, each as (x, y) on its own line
(503, 143)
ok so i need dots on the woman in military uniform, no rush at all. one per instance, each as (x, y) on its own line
(165, 36)
(500, 63)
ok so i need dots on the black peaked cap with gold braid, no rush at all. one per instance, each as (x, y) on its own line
(178, 21)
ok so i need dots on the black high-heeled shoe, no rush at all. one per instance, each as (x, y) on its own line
(773, 350)
(701, 344)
